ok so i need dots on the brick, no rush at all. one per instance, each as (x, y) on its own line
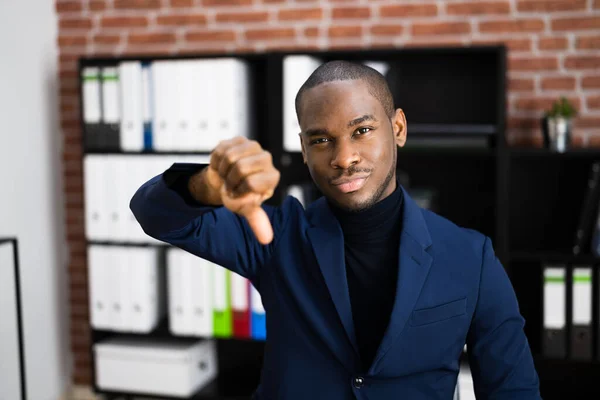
(75, 23)
(68, 6)
(558, 83)
(520, 85)
(386, 30)
(590, 82)
(551, 5)
(72, 41)
(210, 36)
(513, 45)
(594, 141)
(311, 31)
(82, 376)
(238, 17)
(588, 42)
(478, 8)
(350, 12)
(512, 26)
(270, 34)
(345, 31)
(299, 14)
(582, 62)
(587, 122)
(107, 39)
(292, 46)
(188, 19)
(532, 64)
(97, 5)
(124, 22)
(523, 123)
(151, 38)
(518, 44)
(226, 2)
(441, 28)
(181, 3)
(593, 102)
(408, 10)
(575, 23)
(552, 43)
(137, 4)
(540, 103)
(530, 140)
(440, 41)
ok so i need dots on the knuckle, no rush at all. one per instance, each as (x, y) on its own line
(229, 155)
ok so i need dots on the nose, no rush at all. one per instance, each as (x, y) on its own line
(344, 155)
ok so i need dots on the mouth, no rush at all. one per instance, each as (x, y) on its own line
(348, 185)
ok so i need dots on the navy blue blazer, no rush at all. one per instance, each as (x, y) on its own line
(451, 290)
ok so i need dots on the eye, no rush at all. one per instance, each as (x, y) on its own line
(318, 141)
(363, 130)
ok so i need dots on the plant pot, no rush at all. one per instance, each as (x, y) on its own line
(557, 133)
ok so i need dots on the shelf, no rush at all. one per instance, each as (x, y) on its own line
(147, 152)
(127, 244)
(218, 389)
(543, 256)
(580, 152)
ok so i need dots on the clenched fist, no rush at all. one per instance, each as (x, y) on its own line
(241, 176)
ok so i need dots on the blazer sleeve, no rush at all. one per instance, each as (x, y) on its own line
(499, 355)
(166, 211)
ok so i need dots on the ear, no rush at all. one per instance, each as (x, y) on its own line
(399, 126)
(302, 146)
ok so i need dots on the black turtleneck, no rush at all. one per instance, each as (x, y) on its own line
(371, 240)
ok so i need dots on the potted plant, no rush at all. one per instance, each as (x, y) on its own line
(557, 125)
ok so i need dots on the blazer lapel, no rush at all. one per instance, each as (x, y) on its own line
(327, 240)
(414, 263)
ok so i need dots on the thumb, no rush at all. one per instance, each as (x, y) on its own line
(259, 223)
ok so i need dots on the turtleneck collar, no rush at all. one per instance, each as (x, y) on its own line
(374, 223)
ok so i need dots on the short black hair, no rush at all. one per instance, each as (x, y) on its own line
(341, 70)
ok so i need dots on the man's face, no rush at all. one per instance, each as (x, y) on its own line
(349, 143)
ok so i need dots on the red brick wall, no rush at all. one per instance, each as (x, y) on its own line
(554, 50)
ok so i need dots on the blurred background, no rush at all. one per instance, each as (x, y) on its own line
(502, 99)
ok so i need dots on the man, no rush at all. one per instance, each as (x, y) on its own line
(367, 295)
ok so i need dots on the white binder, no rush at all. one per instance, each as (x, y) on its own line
(132, 105)
(296, 70)
(179, 276)
(99, 288)
(201, 296)
(111, 108)
(92, 111)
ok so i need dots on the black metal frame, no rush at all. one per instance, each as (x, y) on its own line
(15, 245)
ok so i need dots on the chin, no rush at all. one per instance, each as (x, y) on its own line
(352, 202)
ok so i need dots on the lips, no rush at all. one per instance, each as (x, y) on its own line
(347, 185)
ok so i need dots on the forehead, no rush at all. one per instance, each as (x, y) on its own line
(338, 102)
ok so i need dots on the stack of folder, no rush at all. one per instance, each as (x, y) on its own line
(165, 105)
(126, 288)
(110, 181)
(208, 300)
(130, 291)
(556, 343)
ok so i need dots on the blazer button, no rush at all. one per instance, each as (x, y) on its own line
(359, 382)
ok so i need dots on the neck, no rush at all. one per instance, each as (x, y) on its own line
(379, 220)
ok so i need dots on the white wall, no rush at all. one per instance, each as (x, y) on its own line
(31, 205)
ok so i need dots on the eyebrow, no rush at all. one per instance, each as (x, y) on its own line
(359, 120)
(354, 122)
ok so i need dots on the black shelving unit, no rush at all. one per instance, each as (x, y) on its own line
(526, 200)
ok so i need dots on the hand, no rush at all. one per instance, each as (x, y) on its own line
(244, 176)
